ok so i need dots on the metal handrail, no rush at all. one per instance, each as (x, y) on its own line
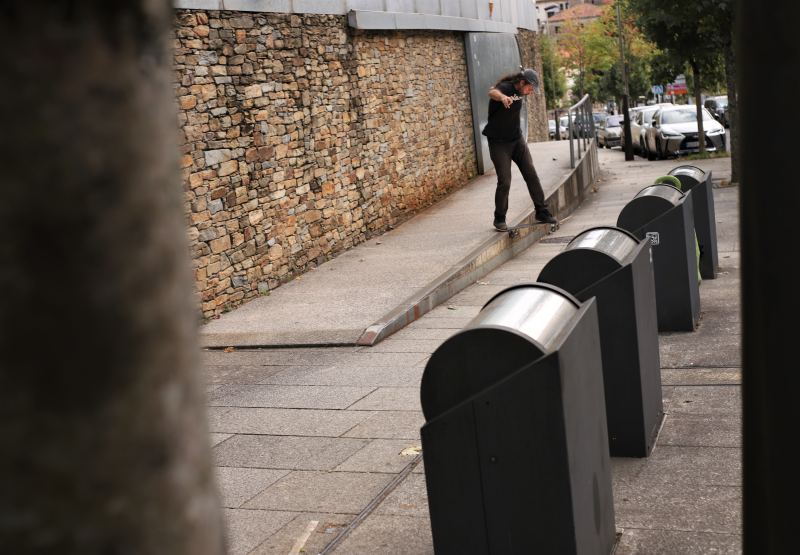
(583, 108)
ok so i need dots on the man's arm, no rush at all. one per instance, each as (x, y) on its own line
(496, 94)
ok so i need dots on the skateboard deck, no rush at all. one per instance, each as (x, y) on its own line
(513, 232)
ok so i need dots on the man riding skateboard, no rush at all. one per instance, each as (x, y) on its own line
(506, 144)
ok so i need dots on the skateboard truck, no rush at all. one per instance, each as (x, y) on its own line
(513, 232)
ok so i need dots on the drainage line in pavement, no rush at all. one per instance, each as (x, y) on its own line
(384, 493)
(283, 346)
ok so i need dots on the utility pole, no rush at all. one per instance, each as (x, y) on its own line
(626, 122)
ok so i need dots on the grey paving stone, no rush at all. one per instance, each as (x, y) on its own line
(371, 359)
(455, 323)
(390, 535)
(216, 439)
(669, 542)
(276, 357)
(238, 485)
(322, 492)
(701, 376)
(710, 430)
(392, 345)
(210, 388)
(286, 452)
(717, 466)
(288, 396)
(380, 455)
(700, 351)
(363, 376)
(243, 374)
(415, 332)
(410, 498)
(283, 541)
(678, 507)
(390, 425)
(246, 529)
(449, 310)
(476, 295)
(390, 398)
(707, 400)
(288, 422)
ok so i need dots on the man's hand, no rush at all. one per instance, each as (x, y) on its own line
(506, 101)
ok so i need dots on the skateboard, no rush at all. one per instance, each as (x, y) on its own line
(513, 232)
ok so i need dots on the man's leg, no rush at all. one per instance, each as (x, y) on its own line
(522, 158)
(501, 155)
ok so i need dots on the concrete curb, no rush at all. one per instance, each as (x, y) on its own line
(486, 257)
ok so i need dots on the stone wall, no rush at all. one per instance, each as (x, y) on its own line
(302, 138)
(537, 111)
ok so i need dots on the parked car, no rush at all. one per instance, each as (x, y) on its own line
(609, 132)
(563, 125)
(675, 132)
(718, 106)
(551, 128)
(639, 127)
(631, 117)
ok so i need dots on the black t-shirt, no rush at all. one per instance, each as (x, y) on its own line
(504, 123)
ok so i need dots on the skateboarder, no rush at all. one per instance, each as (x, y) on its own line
(506, 144)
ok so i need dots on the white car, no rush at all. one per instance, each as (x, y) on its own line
(674, 131)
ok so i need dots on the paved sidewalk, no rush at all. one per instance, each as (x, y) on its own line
(317, 448)
(341, 299)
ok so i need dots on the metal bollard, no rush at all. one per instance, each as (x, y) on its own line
(698, 183)
(515, 441)
(613, 266)
(663, 215)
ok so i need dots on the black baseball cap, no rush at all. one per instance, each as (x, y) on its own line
(531, 77)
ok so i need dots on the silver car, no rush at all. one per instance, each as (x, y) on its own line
(609, 132)
(674, 132)
(639, 126)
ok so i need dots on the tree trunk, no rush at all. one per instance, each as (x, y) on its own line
(698, 102)
(102, 417)
(733, 112)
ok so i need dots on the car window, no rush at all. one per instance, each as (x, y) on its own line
(614, 121)
(684, 116)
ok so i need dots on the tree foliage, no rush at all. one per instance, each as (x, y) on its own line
(693, 32)
(592, 54)
(555, 84)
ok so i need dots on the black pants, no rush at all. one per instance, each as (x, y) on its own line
(502, 155)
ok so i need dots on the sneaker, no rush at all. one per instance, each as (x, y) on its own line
(500, 225)
(545, 216)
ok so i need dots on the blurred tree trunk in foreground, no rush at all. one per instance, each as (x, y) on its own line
(105, 447)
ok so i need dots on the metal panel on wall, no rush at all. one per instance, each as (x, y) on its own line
(489, 57)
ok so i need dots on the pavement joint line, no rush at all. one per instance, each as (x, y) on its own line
(371, 506)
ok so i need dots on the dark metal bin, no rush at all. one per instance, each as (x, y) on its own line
(664, 215)
(514, 443)
(612, 265)
(698, 183)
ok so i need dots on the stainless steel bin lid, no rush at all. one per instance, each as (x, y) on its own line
(615, 242)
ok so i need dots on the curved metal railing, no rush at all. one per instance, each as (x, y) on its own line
(582, 131)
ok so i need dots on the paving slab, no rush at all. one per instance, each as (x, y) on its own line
(239, 485)
(286, 452)
(379, 455)
(246, 528)
(668, 542)
(288, 396)
(389, 424)
(335, 492)
(287, 422)
(390, 535)
(324, 528)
